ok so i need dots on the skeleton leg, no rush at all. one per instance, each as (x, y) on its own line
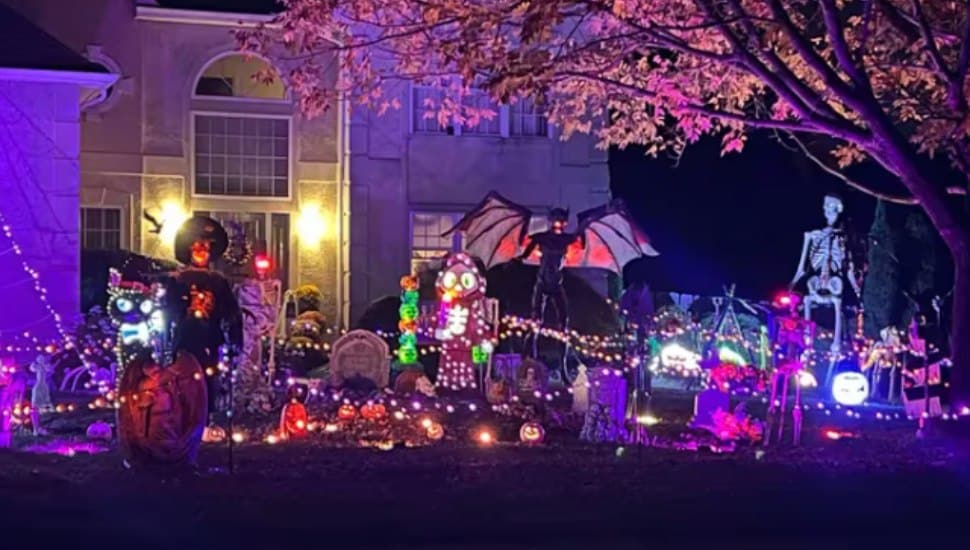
(796, 412)
(837, 336)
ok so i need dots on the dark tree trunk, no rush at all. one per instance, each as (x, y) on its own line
(960, 329)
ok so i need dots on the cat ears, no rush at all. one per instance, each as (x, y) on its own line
(114, 278)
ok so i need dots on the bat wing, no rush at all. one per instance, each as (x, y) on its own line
(608, 239)
(495, 231)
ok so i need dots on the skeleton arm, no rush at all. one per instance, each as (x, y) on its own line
(800, 272)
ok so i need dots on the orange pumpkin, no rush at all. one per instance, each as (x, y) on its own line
(294, 420)
(409, 282)
(435, 431)
(408, 326)
(532, 433)
(346, 412)
(373, 411)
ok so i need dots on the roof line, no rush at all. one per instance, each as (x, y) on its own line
(200, 17)
(86, 79)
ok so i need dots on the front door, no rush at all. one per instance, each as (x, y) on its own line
(267, 233)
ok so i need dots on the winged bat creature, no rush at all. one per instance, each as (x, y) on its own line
(497, 231)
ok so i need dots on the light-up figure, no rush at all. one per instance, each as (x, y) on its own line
(461, 326)
(135, 313)
(826, 261)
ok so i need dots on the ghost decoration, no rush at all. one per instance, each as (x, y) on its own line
(850, 388)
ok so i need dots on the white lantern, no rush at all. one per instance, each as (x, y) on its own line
(850, 388)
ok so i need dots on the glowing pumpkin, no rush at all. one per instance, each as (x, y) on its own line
(435, 431)
(293, 421)
(346, 412)
(409, 282)
(407, 355)
(373, 411)
(385, 445)
(214, 434)
(532, 433)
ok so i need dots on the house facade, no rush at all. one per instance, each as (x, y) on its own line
(348, 201)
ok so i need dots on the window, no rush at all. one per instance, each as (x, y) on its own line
(479, 99)
(237, 75)
(527, 119)
(101, 228)
(242, 156)
(523, 119)
(423, 100)
(427, 244)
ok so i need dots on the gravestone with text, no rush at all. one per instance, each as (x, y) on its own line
(360, 354)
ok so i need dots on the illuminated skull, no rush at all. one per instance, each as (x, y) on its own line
(460, 280)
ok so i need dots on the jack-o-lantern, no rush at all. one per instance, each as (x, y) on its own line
(293, 420)
(409, 283)
(850, 388)
(435, 431)
(346, 412)
(532, 433)
(373, 411)
(385, 445)
(214, 434)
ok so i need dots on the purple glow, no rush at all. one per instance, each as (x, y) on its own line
(66, 448)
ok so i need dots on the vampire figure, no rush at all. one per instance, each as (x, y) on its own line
(552, 245)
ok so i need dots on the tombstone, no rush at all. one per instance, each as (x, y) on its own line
(531, 377)
(606, 417)
(706, 403)
(360, 354)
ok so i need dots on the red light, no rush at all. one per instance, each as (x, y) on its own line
(263, 265)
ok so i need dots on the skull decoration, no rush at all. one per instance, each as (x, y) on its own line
(461, 324)
(459, 280)
(132, 308)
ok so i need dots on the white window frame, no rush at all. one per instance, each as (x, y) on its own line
(291, 164)
(286, 99)
(456, 242)
(503, 115)
(122, 230)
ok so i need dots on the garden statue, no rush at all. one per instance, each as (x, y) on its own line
(462, 325)
(40, 395)
(208, 313)
(826, 261)
(497, 231)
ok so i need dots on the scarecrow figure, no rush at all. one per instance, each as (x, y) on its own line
(209, 315)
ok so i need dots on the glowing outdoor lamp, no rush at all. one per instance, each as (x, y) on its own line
(172, 218)
(310, 225)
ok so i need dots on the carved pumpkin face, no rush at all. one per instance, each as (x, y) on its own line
(373, 411)
(409, 283)
(214, 434)
(294, 419)
(435, 431)
(346, 412)
(850, 388)
(385, 445)
(532, 433)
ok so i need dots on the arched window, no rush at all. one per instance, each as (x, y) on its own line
(240, 76)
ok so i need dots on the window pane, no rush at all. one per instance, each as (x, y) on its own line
(101, 228)
(241, 156)
(233, 76)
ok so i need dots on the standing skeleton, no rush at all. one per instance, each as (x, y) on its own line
(826, 259)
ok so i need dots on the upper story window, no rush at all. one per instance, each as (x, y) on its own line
(242, 156)
(243, 150)
(240, 76)
(523, 119)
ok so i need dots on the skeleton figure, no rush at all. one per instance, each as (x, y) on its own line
(826, 260)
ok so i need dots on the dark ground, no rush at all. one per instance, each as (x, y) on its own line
(885, 490)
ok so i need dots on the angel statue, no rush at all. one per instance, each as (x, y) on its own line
(497, 231)
(827, 263)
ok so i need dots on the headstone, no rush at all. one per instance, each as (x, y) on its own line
(706, 403)
(531, 380)
(605, 418)
(360, 354)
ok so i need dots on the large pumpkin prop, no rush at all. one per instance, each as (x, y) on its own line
(293, 420)
(163, 412)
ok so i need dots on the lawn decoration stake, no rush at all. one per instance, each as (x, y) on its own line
(496, 231)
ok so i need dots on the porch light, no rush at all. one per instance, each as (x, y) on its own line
(311, 226)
